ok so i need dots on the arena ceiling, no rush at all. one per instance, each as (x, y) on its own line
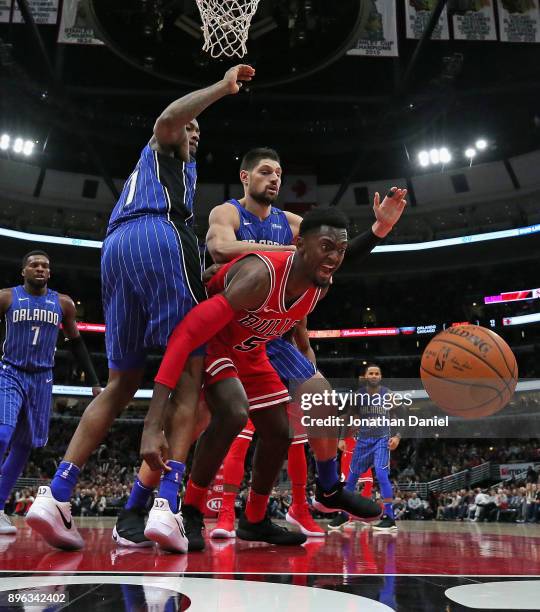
(343, 117)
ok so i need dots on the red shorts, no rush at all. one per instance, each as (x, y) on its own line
(261, 382)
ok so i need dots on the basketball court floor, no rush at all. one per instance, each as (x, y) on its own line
(442, 566)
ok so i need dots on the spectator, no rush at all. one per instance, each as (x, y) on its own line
(415, 507)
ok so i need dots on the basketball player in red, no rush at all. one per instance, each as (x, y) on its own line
(254, 224)
(255, 298)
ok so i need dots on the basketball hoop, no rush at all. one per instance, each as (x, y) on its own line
(226, 25)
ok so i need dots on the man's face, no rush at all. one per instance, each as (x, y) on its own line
(36, 272)
(322, 253)
(193, 134)
(373, 376)
(262, 183)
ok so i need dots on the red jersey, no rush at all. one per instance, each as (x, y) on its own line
(250, 330)
(239, 349)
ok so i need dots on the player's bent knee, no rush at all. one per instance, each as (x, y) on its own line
(237, 419)
(230, 420)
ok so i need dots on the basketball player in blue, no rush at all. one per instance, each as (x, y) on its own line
(33, 314)
(151, 278)
(373, 444)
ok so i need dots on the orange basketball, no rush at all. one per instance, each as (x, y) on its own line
(469, 371)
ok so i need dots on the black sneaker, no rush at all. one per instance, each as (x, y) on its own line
(385, 524)
(266, 531)
(339, 499)
(194, 527)
(339, 521)
(129, 529)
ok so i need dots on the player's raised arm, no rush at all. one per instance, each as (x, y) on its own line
(76, 343)
(248, 289)
(170, 126)
(221, 240)
(387, 214)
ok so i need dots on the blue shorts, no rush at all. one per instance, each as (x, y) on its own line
(370, 452)
(25, 404)
(292, 366)
(150, 280)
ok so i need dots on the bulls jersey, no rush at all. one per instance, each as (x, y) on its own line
(275, 229)
(250, 330)
(32, 324)
(161, 185)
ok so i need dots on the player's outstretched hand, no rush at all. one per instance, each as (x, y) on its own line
(389, 211)
(236, 76)
(96, 391)
(154, 447)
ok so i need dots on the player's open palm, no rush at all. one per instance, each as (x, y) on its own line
(389, 211)
(236, 76)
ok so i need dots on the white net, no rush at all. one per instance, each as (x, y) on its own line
(226, 25)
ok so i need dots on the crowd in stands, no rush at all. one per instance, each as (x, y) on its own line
(107, 478)
(427, 460)
(519, 504)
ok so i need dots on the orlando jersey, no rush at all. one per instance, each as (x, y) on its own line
(373, 406)
(245, 337)
(159, 185)
(275, 229)
(32, 324)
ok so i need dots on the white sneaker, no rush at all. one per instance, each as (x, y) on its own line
(52, 520)
(6, 527)
(166, 528)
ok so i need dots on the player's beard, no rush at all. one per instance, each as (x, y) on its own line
(262, 197)
(37, 283)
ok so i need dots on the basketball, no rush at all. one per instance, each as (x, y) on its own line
(469, 371)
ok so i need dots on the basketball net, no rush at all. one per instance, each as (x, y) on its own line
(226, 25)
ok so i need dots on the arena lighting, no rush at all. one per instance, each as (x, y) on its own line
(423, 158)
(434, 157)
(470, 153)
(481, 144)
(18, 145)
(28, 147)
(387, 248)
(444, 155)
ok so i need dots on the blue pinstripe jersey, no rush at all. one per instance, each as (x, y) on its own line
(373, 406)
(275, 229)
(32, 324)
(161, 185)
